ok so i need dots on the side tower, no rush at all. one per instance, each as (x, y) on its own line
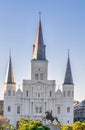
(9, 93)
(68, 95)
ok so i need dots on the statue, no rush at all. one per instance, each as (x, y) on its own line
(50, 117)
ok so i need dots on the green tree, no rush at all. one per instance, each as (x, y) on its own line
(25, 124)
(66, 127)
(77, 126)
(83, 125)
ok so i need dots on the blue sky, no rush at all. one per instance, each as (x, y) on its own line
(63, 25)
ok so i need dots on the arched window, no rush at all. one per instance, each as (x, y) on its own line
(64, 94)
(36, 109)
(50, 93)
(13, 93)
(9, 108)
(38, 95)
(41, 76)
(27, 93)
(36, 76)
(68, 109)
(31, 107)
(58, 110)
(40, 109)
(17, 124)
(9, 92)
(68, 93)
(18, 109)
(72, 94)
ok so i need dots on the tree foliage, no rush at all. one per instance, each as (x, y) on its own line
(25, 124)
(75, 126)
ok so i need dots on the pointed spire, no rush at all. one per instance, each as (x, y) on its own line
(68, 75)
(9, 74)
(39, 47)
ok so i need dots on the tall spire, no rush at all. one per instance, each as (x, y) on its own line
(39, 47)
(68, 75)
(9, 75)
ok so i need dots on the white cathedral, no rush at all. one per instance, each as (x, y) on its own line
(38, 94)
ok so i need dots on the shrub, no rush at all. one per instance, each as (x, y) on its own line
(83, 125)
(39, 128)
(66, 127)
(46, 127)
(77, 126)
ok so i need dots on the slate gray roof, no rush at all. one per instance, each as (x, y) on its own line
(68, 75)
(9, 74)
(39, 47)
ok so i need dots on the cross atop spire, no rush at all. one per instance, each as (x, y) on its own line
(40, 14)
(39, 47)
(9, 74)
(68, 75)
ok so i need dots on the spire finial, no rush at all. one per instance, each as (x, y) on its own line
(10, 53)
(68, 53)
(40, 15)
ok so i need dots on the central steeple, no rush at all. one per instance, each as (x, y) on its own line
(39, 47)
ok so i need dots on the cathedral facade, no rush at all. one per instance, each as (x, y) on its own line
(39, 94)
